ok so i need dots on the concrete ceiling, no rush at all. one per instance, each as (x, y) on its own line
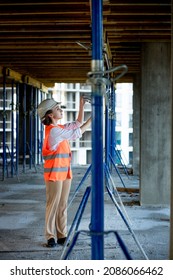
(39, 38)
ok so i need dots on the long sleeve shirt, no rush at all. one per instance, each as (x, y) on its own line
(69, 131)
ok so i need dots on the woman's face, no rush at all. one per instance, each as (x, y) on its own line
(57, 113)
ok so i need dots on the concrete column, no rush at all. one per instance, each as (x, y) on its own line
(136, 122)
(155, 124)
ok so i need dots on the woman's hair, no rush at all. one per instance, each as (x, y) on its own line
(46, 120)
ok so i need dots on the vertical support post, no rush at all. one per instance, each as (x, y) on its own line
(107, 133)
(97, 200)
(4, 126)
(41, 131)
(17, 127)
(24, 127)
(12, 128)
(38, 138)
(34, 125)
(113, 122)
(31, 128)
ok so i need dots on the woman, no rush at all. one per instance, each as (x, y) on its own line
(57, 171)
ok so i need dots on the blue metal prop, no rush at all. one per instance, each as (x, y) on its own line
(24, 128)
(12, 128)
(113, 121)
(113, 162)
(97, 207)
(4, 127)
(37, 120)
(30, 127)
(17, 128)
(118, 154)
(107, 135)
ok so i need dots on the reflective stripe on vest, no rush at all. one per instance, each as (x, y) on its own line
(56, 169)
(56, 156)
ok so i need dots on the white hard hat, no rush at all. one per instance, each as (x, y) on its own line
(46, 105)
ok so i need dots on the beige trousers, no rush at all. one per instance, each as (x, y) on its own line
(57, 194)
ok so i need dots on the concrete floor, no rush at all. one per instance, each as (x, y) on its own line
(22, 208)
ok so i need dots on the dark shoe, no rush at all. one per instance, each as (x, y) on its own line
(61, 241)
(51, 242)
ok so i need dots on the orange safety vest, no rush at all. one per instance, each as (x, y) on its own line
(57, 162)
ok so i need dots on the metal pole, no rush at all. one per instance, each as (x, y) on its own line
(41, 131)
(38, 136)
(4, 127)
(113, 122)
(116, 168)
(97, 200)
(34, 125)
(24, 127)
(31, 128)
(12, 128)
(17, 127)
(107, 133)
